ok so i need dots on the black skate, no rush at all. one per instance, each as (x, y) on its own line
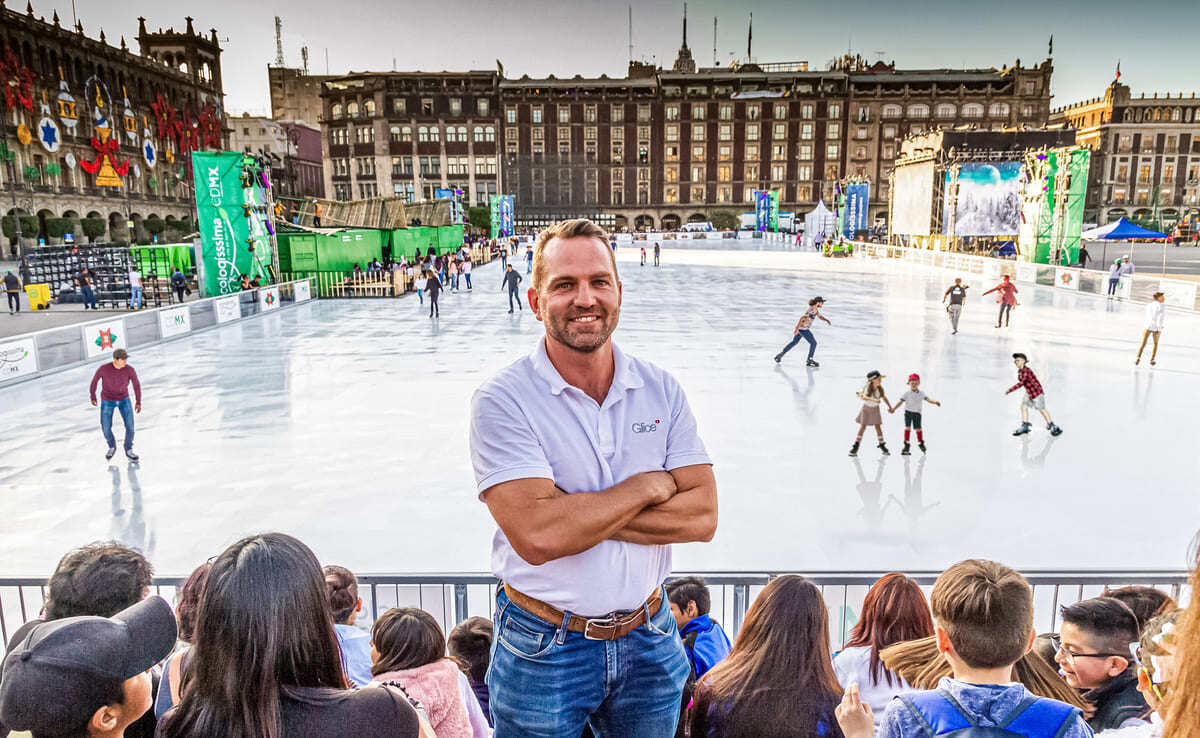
(883, 448)
(109, 453)
(854, 449)
(905, 451)
(921, 445)
(1054, 430)
(132, 456)
(812, 362)
(1025, 428)
(778, 358)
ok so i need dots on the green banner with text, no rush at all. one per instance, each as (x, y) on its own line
(233, 220)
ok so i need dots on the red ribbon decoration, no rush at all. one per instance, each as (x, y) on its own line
(17, 80)
(109, 149)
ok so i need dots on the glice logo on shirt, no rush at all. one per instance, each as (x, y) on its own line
(646, 427)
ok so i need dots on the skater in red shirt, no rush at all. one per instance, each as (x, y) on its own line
(1034, 397)
(1008, 299)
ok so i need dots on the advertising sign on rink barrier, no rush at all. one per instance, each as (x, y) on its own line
(1026, 272)
(226, 309)
(17, 358)
(174, 322)
(302, 291)
(103, 337)
(268, 299)
(1178, 294)
(1125, 288)
(1066, 278)
(992, 271)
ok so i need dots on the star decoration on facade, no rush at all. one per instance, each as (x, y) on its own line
(49, 134)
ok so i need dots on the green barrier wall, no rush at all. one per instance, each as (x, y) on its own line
(162, 260)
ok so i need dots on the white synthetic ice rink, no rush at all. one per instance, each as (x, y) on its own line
(345, 423)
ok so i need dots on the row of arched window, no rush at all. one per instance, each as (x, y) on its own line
(353, 109)
(1169, 115)
(945, 110)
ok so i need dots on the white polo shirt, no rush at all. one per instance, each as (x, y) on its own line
(527, 422)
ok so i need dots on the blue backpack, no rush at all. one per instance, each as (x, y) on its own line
(1035, 717)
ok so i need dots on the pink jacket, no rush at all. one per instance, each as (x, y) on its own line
(435, 686)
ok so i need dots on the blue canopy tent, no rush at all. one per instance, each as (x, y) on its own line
(1123, 230)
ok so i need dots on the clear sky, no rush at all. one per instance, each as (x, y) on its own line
(1155, 40)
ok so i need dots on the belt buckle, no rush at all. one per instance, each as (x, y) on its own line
(609, 622)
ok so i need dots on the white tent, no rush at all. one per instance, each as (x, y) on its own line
(820, 220)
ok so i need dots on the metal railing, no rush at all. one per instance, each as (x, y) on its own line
(452, 598)
(57, 349)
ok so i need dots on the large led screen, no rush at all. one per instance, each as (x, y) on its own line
(988, 203)
(912, 192)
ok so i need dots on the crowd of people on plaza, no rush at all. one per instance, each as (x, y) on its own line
(262, 640)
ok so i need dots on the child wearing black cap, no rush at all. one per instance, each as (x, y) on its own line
(1035, 397)
(872, 395)
(803, 330)
(86, 675)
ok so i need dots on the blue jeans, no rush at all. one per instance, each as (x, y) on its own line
(807, 335)
(421, 295)
(513, 294)
(467, 276)
(89, 298)
(135, 297)
(106, 413)
(548, 682)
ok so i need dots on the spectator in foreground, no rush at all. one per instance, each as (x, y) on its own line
(778, 674)
(186, 609)
(983, 625)
(266, 660)
(1156, 656)
(704, 640)
(354, 642)
(1146, 602)
(86, 675)
(1094, 655)
(408, 650)
(1184, 705)
(894, 610)
(470, 644)
(99, 579)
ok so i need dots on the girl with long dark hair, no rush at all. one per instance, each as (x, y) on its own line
(778, 679)
(265, 661)
(895, 610)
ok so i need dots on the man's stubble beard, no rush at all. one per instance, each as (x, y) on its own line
(558, 328)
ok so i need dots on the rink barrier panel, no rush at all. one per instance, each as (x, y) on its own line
(64, 347)
(452, 598)
(1090, 281)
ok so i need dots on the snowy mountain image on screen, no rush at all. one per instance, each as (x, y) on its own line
(988, 203)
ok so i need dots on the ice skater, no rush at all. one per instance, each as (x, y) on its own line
(957, 293)
(872, 395)
(114, 395)
(434, 285)
(1114, 277)
(529, 258)
(1034, 397)
(419, 285)
(511, 280)
(804, 330)
(1007, 299)
(643, 256)
(913, 401)
(1156, 314)
(656, 252)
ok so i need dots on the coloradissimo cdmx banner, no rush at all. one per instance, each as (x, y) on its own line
(502, 215)
(854, 217)
(766, 210)
(235, 236)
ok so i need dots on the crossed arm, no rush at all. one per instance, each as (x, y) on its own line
(543, 523)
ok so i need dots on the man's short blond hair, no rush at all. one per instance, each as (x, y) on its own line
(568, 229)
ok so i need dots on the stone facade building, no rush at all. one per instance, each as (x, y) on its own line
(409, 134)
(1145, 156)
(296, 94)
(293, 148)
(658, 147)
(149, 109)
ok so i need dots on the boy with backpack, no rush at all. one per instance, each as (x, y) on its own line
(704, 639)
(1093, 654)
(983, 623)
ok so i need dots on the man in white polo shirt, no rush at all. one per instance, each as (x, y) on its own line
(590, 462)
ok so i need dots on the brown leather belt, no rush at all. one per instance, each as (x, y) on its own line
(610, 628)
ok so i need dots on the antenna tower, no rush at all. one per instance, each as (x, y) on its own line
(715, 41)
(278, 41)
(304, 57)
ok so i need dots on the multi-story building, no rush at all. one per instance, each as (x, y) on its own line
(295, 94)
(1145, 155)
(157, 105)
(410, 134)
(662, 147)
(294, 150)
